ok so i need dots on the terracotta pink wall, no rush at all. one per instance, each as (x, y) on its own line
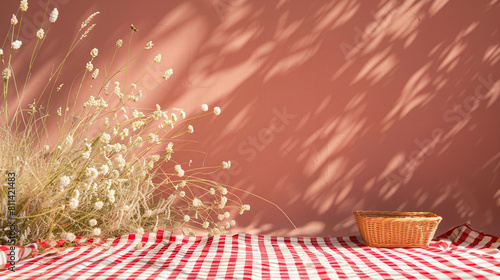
(327, 106)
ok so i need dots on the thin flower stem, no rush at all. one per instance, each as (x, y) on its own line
(128, 55)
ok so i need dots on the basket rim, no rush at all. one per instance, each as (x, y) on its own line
(395, 215)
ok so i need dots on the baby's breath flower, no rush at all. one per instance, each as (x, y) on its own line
(212, 191)
(182, 194)
(40, 33)
(217, 111)
(59, 87)
(91, 173)
(68, 236)
(220, 217)
(137, 124)
(226, 164)
(90, 66)
(168, 73)
(137, 114)
(120, 161)
(92, 222)
(226, 215)
(73, 203)
(204, 107)
(232, 223)
(182, 114)
(6, 73)
(53, 15)
(119, 43)
(173, 117)
(190, 129)
(155, 158)
(157, 58)
(149, 45)
(105, 138)
(153, 138)
(206, 224)
(243, 208)
(180, 173)
(64, 180)
(140, 230)
(16, 44)
(104, 169)
(24, 5)
(69, 140)
(97, 231)
(98, 205)
(94, 52)
(1, 51)
(124, 133)
(223, 191)
(95, 74)
(183, 183)
(170, 147)
(59, 112)
(186, 218)
(86, 155)
(14, 20)
(151, 164)
(197, 202)
(223, 202)
(111, 196)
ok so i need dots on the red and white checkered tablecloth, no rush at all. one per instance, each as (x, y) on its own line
(461, 253)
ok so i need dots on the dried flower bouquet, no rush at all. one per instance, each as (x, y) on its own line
(105, 169)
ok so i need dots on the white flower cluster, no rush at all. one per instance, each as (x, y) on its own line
(168, 73)
(16, 44)
(6, 73)
(14, 20)
(23, 6)
(157, 58)
(217, 111)
(94, 52)
(92, 102)
(226, 164)
(89, 66)
(197, 202)
(243, 208)
(40, 33)
(179, 170)
(95, 74)
(53, 15)
(68, 236)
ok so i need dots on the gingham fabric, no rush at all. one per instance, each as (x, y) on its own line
(246, 256)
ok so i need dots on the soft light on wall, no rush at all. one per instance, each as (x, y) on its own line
(327, 106)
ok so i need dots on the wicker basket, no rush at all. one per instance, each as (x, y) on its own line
(397, 229)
